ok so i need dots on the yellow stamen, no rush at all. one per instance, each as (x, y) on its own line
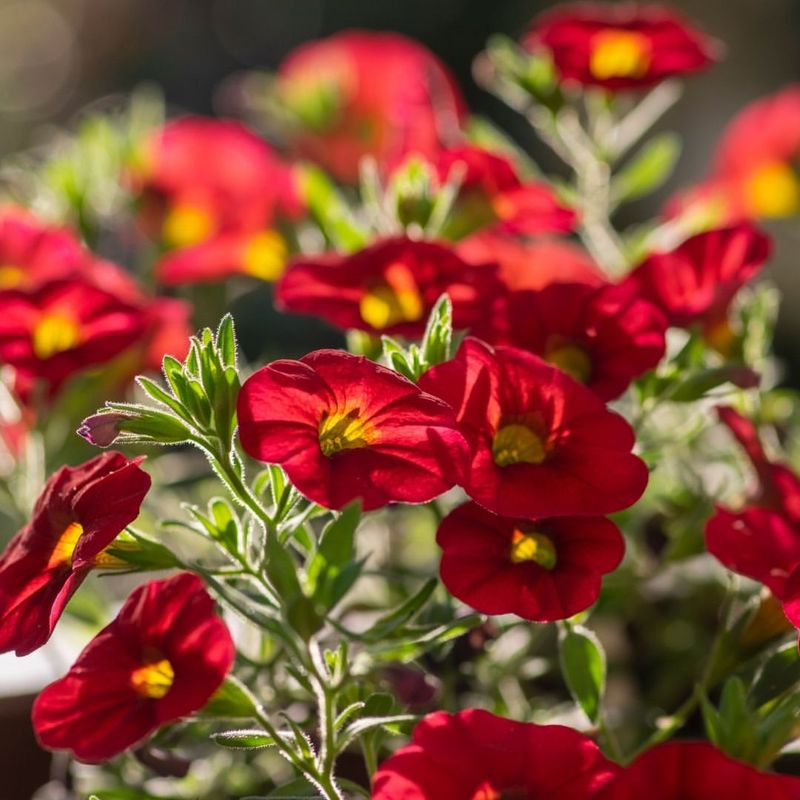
(53, 334)
(186, 225)
(344, 431)
(153, 680)
(65, 546)
(619, 54)
(10, 276)
(393, 301)
(265, 256)
(517, 443)
(531, 545)
(773, 190)
(572, 359)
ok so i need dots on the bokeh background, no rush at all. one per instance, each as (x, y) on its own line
(59, 56)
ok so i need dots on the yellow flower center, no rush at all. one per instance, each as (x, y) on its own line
(344, 431)
(393, 301)
(65, 546)
(531, 545)
(265, 256)
(153, 680)
(54, 333)
(572, 359)
(517, 443)
(773, 190)
(619, 54)
(10, 276)
(186, 225)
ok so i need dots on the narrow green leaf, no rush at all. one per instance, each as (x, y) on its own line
(780, 673)
(583, 666)
(244, 739)
(648, 170)
(399, 616)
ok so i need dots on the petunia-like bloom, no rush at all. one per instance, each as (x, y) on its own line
(344, 428)
(63, 328)
(361, 93)
(389, 287)
(603, 337)
(475, 755)
(162, 658)
(531, 264)
(681, 770)
(491, 193)
(695, 283)
(541, 445)
(78, 515)
(209, 193)
(540, 570)
(619, 46)
(762, 540)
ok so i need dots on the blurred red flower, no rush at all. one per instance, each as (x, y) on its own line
(492, 194)
(63, 328)
(540, 444)
(344, 428)
(531, 264)
(80, 511)
(695, 283)
(162, 658)
(619, 46)
(475, 755)
(603, 337)
(209, 192)
(361, 93)
(540, 570)
(389, 287)
(681, 770)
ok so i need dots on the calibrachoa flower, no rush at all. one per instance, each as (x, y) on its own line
(602, 337)
(475, 755)
(492, 194)
(78, 515)
(344, 428)
(210, 191)
(540, 444)
(531, 264)
(361, 93)
(761, 541)
(63, 328)
(696, 771)
(695, 283)
(161, 659)
(619, 46)
(541, 570)
(389, 287)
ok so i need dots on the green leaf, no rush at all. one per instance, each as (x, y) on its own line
(438, 337)
(298, 789)
(648, 170)
(226, 341)
(282, 569)
(231, 700)
(404, 613)
(780, 673)
(338, 536)
(331, 211)
(583, 666)
(244, 739)
(698, 384)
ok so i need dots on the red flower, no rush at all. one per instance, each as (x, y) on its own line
(344, 427)
(79, 513)
(531, 264)
(762, 541)
(389, 287)
(541, 570)
(361, 93)
(475, 755)
(63, 328)
(625, 46)
(541, 445)
(162, 658)
(602, 337)
(492, 193)
(695, 771)
(696, 282)
(210, 192)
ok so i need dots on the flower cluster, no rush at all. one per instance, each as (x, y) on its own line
(532, 397)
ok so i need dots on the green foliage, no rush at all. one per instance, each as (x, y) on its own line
(583, 665)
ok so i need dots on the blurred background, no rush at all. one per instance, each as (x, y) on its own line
(59, 56)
